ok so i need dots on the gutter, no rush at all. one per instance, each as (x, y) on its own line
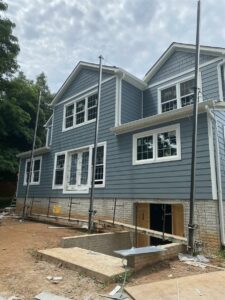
(218, 178)
(158, 119)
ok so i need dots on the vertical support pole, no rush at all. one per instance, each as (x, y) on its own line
(49, 202)
(32, 201)
(136, 222)
(164, 220)
(71, 199)
(32, 156)
(114, 211)
(191, 225)
(93, 160)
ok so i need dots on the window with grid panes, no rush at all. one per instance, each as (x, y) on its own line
(59, 169)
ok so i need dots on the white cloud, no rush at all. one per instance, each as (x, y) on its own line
(55, 35)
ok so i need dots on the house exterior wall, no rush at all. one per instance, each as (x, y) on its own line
(209, 81)
(131, 103)
(158, 182)
(178, 62)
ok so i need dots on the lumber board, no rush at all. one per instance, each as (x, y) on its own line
(146, 231)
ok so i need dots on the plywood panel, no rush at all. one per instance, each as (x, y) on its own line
(143, 220)
(178, 219)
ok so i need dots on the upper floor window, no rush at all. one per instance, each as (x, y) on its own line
(80, 112)
(162, 144)
(176, 96)
(35, 171)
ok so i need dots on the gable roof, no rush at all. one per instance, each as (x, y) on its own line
(109, 69)
(217, 51)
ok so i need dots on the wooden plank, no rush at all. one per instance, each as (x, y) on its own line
(143, 222)
(146, 231)
(178, 219)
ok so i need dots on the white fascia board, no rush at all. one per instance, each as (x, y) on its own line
(73, 74)
(185, 47)
(37, 151)
(130, 78)
(172, 115)
(49, 120)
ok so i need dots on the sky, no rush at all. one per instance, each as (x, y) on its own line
(54, 35)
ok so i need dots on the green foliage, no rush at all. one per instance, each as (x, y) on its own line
(18, 103)
(9, 47)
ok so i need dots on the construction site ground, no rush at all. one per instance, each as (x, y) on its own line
(24, 275)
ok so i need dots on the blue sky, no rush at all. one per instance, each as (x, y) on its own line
(55, 35)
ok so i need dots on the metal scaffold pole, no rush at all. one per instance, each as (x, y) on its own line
(191, 225)
(31, 156)
(91, 211)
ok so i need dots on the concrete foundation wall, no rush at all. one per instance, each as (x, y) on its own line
(206, 214)
(140, 261)
(105, 243)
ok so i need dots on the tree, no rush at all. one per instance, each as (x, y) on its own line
(18, 103)
(9, 48)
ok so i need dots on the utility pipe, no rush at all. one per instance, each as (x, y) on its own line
(218, 177)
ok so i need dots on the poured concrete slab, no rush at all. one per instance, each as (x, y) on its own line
(49, 296)
(94, 264)
(208, 286)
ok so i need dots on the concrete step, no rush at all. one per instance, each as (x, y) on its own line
(102, 267)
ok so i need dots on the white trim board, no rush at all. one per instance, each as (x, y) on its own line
(32, 171)
(184, 73)
(154, 133)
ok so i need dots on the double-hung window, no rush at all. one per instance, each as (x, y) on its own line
(80, 112)
(35, 171)
(59, 170)
(162, 144)
(177, 95)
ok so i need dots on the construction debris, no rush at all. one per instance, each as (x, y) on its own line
(49, 296)
(196, 261)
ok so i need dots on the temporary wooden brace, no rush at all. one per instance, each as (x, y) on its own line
(146, 231)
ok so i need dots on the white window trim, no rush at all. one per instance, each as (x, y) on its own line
(85, 96)
(154, 133)
(177, 84)
(58, 186)
(67, 153)
(32, 173)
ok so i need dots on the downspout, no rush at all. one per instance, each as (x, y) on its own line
(218, 177)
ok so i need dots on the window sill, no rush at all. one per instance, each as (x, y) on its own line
(158, 160)
(78, 125)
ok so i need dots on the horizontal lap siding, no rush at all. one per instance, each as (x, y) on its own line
(164, 180)
(210, 88)
(179, 61)
(220, 117)
(131, 103)
(85, 79)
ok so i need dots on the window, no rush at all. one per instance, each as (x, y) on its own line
(35, 172)
(72, 171)
(177, 95)
(99, 170)
(162, 144)
(59, 170)
(80, 112)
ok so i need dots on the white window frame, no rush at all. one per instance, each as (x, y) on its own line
(58, 186)
(32, 182)
(74, 101)
(83, 189)
(154, 133)
(177, 83)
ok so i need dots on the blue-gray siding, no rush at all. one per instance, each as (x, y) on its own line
(179, 61)
(165, 180)
(210, 88)
(131, 103)
(220, 117)
(85, 79)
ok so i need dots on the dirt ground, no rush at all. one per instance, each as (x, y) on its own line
(22, 274)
